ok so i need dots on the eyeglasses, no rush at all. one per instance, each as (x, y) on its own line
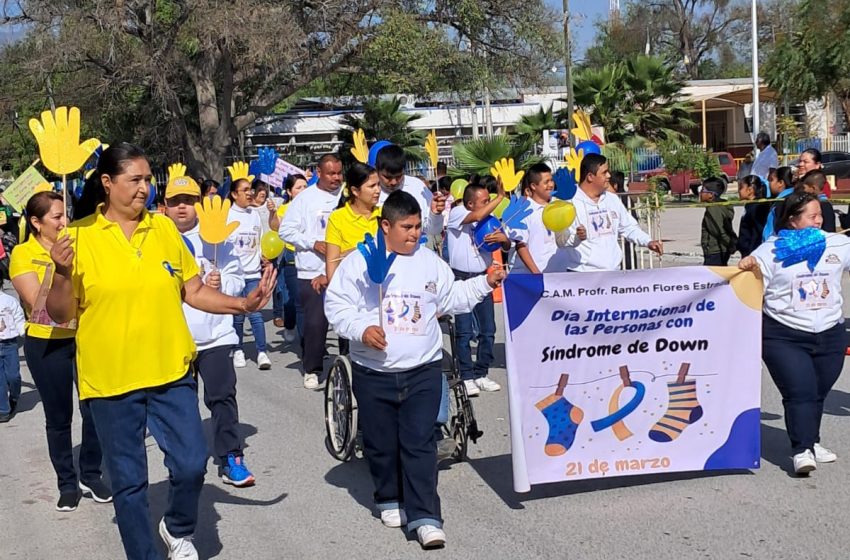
(246, 191)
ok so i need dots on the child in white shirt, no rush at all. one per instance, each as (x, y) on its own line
(396, 354)
(12, 325)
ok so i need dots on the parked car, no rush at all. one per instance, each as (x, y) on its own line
(686, 182)
(834, 163)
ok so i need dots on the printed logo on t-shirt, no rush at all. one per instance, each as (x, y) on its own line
(246, 242)
(810, 291)
(404, 311)
(431, 287)
(601, 223)
(832, 258)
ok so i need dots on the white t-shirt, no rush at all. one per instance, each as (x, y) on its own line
(432, 224)
(305, 222)
(801, 299)
(540, 242)
(464, 254)
(246, 240)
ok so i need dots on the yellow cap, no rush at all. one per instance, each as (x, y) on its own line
(182, 185)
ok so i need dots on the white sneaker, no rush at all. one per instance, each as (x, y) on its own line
(239, 359)
(430, 536)
(393, 518)
(289, 335)
(311, 381)
(824, 455)
(804, 462)
(178, 549)
(471, 388)
(488, 385)
(263, 361)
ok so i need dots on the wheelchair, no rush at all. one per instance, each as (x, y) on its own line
(342, 440)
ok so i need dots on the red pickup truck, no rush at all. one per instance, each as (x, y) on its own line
(685, 182)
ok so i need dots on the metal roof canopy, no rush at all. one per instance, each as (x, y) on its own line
(737, 92)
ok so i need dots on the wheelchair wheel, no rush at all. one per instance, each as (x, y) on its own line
(340, 411)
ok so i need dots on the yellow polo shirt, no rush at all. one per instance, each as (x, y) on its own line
(28, 257)
(347, 228)
(281, 212)
(131, 332)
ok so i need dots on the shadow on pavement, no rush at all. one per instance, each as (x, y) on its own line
(206, 532)
(354, 477)
(245, 431)
(28, 399)
(497, 473)
(837, 403)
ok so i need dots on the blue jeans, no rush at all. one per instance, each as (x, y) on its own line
(484, 317)
(10, 374)
(293, 314)
(171, 414)
(445, 395)
(258, 327)
(279, 291)
(397, 412)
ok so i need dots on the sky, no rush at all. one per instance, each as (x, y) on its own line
(584, 14)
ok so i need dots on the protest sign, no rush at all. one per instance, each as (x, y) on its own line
(614, 373)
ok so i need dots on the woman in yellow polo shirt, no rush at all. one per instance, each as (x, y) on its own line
(49, 349)
(357, 215)
(124, 274)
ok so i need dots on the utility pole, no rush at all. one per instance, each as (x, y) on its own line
(755, 39)
(568, 70)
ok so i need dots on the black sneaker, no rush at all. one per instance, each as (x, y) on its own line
(68, 501)
(13, 406)
(96, 490)
(5, 418)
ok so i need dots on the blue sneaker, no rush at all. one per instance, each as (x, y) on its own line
(236, 473)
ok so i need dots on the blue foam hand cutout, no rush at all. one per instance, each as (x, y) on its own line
(565, 184)
(517, 210)
(266, 158)
(798, 245)
(254, 168)
(313, 180)
(378, 263)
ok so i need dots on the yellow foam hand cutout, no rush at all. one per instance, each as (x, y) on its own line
(176, 170)
(58, 138)
(239, 170)
(431, 148)
(574, 158)
(360, 151)
(504, 170)
(43, 187)
(212, 217)
(583, 130)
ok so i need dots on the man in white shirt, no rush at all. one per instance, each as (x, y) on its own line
(536, 250)
(304, 227)
(390, 163)
(214, 335)
(604, 220)
(767, 158)
(468, 260)
(396, 355)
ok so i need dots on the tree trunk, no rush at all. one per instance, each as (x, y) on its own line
(844, 99)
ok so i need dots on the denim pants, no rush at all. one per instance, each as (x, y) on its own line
(215, 366)
(52, 365)
(397, 412)
(10, 374)
(804, 367)
(293, 315)
(484, 317)
(171, 414)
(258, 327)
(279, 291)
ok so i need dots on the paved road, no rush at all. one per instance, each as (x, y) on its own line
(307, 505)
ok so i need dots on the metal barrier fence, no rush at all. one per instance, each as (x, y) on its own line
(646, 209)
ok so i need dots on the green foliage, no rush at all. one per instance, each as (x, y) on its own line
(529, 129)
(707, 165)
(639, 97)
(678, 156)
(383, 119)
(476, 157)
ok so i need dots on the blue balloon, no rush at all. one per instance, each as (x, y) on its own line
(589, 147)
(377, 147)
(189, 245)
(151, 196)
(485, 227)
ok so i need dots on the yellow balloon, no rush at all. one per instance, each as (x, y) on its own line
(500, 209)
(559, 215)
(457, 188)
(271, 245)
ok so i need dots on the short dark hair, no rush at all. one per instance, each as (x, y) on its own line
(533, 174)
(329, 157)
(442, 168)
(391, 159)
(470, 191)
(814, 152)
(207, 185)
(234, 186)
(398, 206)
(444, 184)
(714, 185)
(591, 163)
(763, 138)
(815, 178)
(618, 179)
(792, 207)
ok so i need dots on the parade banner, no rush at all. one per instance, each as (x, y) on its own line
(645, 372)
(282, 169)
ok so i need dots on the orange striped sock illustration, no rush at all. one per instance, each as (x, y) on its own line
(682, 411)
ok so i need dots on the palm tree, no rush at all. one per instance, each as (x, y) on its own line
(476, 157)
(383, 119)
(531, 127)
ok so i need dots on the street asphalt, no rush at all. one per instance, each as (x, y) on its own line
(308, 505)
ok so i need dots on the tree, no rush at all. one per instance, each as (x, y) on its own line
(476, 157)
(207, 70)
(640, 97)
(814, 58)
(529, 129)
(384, 120)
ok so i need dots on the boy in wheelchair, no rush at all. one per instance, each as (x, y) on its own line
(396, 352)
